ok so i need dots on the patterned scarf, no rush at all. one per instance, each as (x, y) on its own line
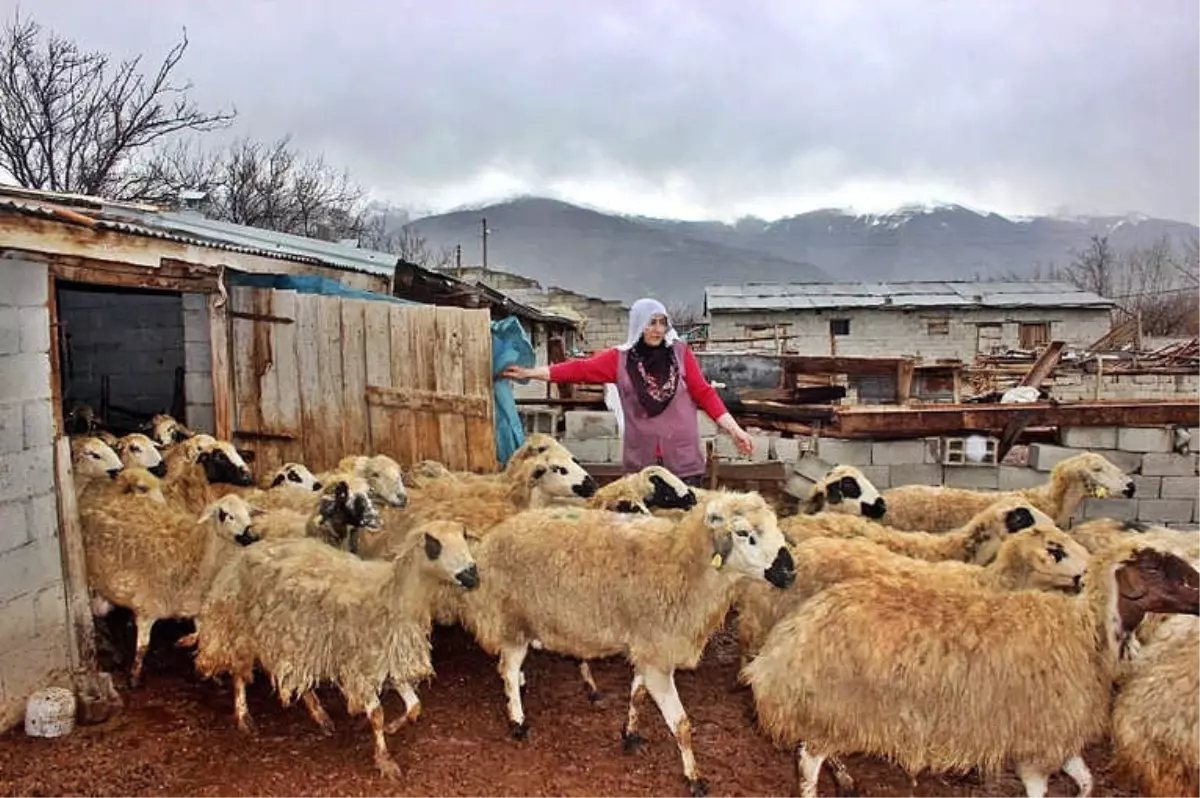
(654, 374)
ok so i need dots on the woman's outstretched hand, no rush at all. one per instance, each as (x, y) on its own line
(515, 372)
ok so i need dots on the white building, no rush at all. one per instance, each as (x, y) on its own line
(928, 320)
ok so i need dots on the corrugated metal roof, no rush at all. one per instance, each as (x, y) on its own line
(196, 230)
(899, 295)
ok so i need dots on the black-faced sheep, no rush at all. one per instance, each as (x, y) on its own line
(216, 470)
(652, 488)
(139, 451)
(949, 678)
(344, 509)
(583, 587)
(310, 614)
(935, 509)
(157, 561)
(293, 475)
(845, 490)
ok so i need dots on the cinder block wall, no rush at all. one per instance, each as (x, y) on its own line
(197, 359)
(1163, 466)
(33, 619)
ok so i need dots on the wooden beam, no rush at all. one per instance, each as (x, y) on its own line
(904, 380)
(262, 317)
(222, 377)
(427, 401)
(1044, 365)
(171, 275)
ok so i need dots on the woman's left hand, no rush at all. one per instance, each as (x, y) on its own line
(745, 443)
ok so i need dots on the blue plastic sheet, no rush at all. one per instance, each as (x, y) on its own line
(310, 284)
(510, 346)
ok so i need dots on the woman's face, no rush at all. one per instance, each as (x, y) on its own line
(656, 330)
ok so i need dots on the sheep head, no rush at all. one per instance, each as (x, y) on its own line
(139, 451)
(382, 473)
(1046, 558)
(92, 457)
(555, 476)
(230, 519)
(295, 475)
(140, 482)
(844, 489)
(346, 500)
(537, 443)
(746, 538)
(665, 491)
(1098, 476)
(991, 526)
(222, 463)
(1152, 580)
(447, 551)
(166, 430)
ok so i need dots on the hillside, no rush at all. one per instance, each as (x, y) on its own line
(624, 257)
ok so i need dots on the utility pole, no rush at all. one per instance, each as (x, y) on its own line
(458, 258)
(483, 223)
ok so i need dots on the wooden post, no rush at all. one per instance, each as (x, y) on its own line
(904, 379)
(218, 321)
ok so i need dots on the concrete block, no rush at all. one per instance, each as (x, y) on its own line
(26, 376)
(197, 358)
(878, 475)
(201, 417)
(26, 473)
(1168, 465)
(588, 451)
(197, 385)
(798, 486)
(811, 467)
(14, 531)
(616, 450)
(915, 474)
(1044, 457)
(1121, 509)
(17, 625)
(933, 450)
(12, 428)
(1180, 488)
(887, 453)
(39, 423)
(844, 452)
(972, 477)
(1145, 439)
(23, 284)
(583, 425)
(1129, 462)
(762, 448)
(1020, 478)
(194, 302)
(10, 331)
(1089, 437)
(1147, 487)
(41, 517)
(786, 449)
(1161, 511)
(29, 568)
(50, 609)
(35, 329)
(708, 427)
(726, 449)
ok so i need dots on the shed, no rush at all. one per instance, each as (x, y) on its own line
(926, 320)
(293, 348)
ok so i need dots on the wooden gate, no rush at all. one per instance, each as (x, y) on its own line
(316, 378)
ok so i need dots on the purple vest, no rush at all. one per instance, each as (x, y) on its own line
(675, 430)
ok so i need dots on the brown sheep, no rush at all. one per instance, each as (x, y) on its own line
(936, 509)
(309, 614)
(845, 490)
(157, 561)
(129, 482)
(587, 589)
(139, 451)
(945, 677)
(166, 430)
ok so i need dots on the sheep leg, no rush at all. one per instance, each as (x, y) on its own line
(630, 738)
(808, 769)
(317, 712)
(841, 776)
(585, 671)
(1033, 779)
(511, 659)
(412, 708)
(383, 760)
(144, 626)
(241, 712)
(661, 686)
(1079, 772)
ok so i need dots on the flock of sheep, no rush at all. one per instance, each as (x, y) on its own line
(940, 629)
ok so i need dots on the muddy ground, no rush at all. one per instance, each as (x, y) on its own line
(176, 737)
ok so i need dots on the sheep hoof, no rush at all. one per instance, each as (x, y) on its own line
(596, 697)
(388, 768)
(631, 742)
(325, 728)
(699, 787)
(246, 726)
(519, 731)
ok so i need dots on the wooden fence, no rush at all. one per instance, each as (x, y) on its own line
(316, 378)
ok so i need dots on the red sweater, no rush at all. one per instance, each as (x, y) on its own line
(602, 367)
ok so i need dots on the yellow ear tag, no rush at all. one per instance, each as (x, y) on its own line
(1101, 492)
(717, 560)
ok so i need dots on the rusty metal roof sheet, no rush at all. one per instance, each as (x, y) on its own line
(749, 297)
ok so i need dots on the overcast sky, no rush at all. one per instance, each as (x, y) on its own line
(705, 108)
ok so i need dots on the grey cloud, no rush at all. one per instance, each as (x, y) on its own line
(1091, 105)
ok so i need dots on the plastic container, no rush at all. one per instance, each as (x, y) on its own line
(50, 712)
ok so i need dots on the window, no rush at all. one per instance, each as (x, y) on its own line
(940, 326)
(839, 326)
(1033, 335)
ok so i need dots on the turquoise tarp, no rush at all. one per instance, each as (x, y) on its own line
(510, 346)
(309, 284)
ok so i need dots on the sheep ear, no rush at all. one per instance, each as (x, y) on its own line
(1017, 519)
(247, 455)
(433, 547)
(815, 502)
(277, 481)
(834, 491)
(538, 473)
(722, 545)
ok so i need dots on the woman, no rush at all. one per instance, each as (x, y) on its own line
(660, 385)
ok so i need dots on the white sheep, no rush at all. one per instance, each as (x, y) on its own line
(157, 561)
(139, 451)
(92, 460)
(587, 587)
(308, 614)
(652, 488)
(946, 678)
(844, 489)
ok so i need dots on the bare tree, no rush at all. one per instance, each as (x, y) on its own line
(684, 315)
(1094, 268)
(406, 243)
(71, 119)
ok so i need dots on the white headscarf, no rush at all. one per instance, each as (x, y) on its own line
(640, 313)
